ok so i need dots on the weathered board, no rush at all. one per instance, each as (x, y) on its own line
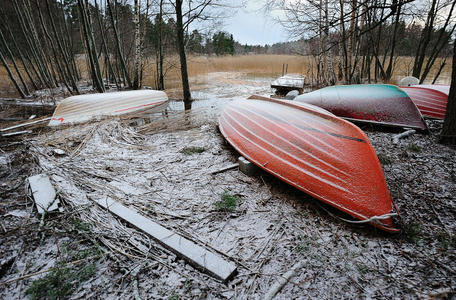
(194, 254)
(43, 192)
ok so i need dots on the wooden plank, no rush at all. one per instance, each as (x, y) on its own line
(194, 254)
(43, 193)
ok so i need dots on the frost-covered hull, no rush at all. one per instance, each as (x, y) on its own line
(431, 100)
(320, 154)
(82, 108)
(370, 103)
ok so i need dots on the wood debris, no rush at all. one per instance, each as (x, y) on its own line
(44, 193)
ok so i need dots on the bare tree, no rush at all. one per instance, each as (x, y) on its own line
(187, 12)
(10, 74)
(436, 10)
(107, 54)
(70, 72)
(11, 56)
(97, 78)
(126, 73)
(182, 54)
(448, 134)
(36, 50)
(137, 62)
(159, 49)
(357, 30)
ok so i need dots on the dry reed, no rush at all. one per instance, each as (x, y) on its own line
(255, 65)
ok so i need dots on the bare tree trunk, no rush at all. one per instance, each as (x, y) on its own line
(331, 75)
(424, 41)
(351, 40)
(68, 44)
(342, 45)
(448, 135)
(91, 47)
(321, 65)
(11, 76)
(389, 69)
(356, 76)
(63, 76)
(160, 54)
(182, 55)
(106, 50)
(69, 70)
(119, 49)
(137, 63)
(5, 45)
(35, 48)
(439, 44)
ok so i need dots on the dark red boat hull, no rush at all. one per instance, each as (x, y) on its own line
(370, 103)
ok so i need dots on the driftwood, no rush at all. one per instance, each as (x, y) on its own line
(283, 280)
(407, 133)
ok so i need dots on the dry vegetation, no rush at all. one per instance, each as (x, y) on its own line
(272, 65)
(162, 169)
(256, 65)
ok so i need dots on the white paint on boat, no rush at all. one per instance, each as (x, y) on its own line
(82, 108)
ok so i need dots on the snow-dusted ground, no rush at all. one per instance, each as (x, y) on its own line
(272, 229)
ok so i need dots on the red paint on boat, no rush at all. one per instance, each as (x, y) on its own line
(431, 100)
(323, 155)
(380, 104)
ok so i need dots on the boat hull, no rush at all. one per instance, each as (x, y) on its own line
(378, 104)
(82, 108)
(287, 83)
(316, 152)
(431, 100)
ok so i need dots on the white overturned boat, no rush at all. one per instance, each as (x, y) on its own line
(82, 108)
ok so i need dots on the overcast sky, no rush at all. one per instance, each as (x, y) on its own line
(254, 28)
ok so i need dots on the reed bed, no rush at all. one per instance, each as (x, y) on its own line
(275, 65)
(255, 65)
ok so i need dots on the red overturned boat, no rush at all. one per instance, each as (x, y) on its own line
(379, 104)
(431, 100)
(323, 155)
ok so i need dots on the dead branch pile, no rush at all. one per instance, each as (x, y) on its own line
(271, 229)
